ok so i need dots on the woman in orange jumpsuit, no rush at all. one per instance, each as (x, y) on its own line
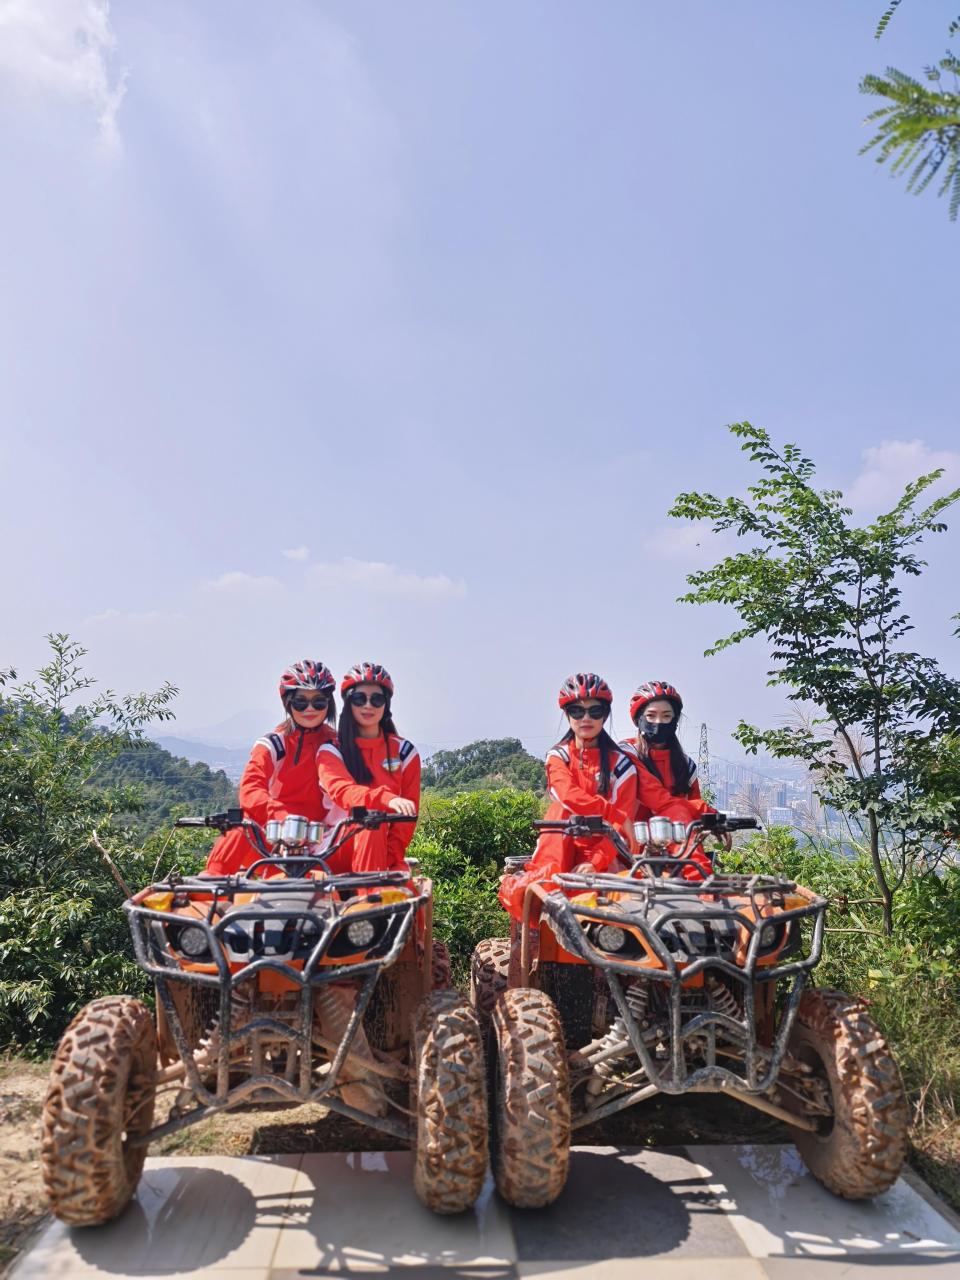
(281, 775)
(663, 766)
(587, 774)
(371, 765)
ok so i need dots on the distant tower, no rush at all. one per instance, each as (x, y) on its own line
(703, 765)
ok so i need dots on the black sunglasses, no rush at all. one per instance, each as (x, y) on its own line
(300, 702)
(597, 712)
(357, 698)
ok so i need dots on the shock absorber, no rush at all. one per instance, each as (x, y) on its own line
(614, 1046)
(722, 999)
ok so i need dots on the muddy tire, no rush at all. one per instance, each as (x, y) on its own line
(531, 1099)
(441, 970)
(101, 1094)
(489, 966)
(449, 1102)
(859, 1153)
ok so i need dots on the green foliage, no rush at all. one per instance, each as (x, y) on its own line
(483, 765)
(465, 908)
(485, 826)
(462, 843)
(919, 131)
(164, 783)
(63, 936)
(827, 597)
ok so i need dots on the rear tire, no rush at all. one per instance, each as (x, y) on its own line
(532, 1099)
(489, 966)
(441, 970)
(449, 1101)
(861, 1152)
(101, 1094)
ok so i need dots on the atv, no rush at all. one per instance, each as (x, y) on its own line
(618, 986)
(280, 985)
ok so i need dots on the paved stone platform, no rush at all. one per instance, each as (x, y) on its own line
(704, 1212)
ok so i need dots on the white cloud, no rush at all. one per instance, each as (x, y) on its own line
(297, 553)
(64, 48)
(379, 577)
(237, 583)
(888, 467)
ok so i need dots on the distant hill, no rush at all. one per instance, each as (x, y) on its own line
(230, 760)
(166, 782)
(485, 765)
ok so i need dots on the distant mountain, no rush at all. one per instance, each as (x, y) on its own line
(488, 764)
(239, 730)
(230, 759)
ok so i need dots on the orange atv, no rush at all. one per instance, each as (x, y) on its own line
(279, 985)
(616, 987)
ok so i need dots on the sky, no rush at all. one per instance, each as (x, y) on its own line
(384, 331)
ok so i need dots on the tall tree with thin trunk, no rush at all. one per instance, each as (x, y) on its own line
(827, 596)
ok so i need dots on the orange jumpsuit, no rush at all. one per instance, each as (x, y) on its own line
(573, 776)
(395, 767)
(274, 784)
(656, 798)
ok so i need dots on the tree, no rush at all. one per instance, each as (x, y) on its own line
(484, 765)
(919, 131)
(63, 937)
(827, 596)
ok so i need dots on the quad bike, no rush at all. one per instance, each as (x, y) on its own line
(615, 987)
(279, 985)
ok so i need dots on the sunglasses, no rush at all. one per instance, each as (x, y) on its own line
(597, 712)
(300, 703)
(358, 699)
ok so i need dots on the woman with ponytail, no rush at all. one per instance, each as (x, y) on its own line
(373, 766)
(588, 774)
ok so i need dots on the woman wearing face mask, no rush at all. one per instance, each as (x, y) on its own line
(666, 773)
(655, 710)
(587, 774)
(281, 775)
(370, 765)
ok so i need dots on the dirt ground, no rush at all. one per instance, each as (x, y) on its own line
(267, 1131)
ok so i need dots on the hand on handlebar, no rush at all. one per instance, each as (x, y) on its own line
(401, 805)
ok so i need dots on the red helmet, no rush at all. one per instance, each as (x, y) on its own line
(584, 685)
(650, 692)
(367, 673)
(306, 674)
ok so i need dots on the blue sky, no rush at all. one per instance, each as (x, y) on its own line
(390, 330)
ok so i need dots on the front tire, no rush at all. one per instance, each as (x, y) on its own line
(449, 1101)
(859, 1154)
(532, 1099)
(101, 1094)
(489, 969)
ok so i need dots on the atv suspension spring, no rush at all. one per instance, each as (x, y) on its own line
(722, 999)
(603, 1055)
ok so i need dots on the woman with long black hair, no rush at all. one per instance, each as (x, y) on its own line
(371, 765)
(588, 774)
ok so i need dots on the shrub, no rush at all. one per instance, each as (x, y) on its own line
(485, 826)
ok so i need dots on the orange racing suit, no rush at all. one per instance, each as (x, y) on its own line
(280, 778)
(394, 764)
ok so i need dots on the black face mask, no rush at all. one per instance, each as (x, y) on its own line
(658, 735)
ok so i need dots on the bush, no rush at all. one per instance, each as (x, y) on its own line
(485, 826)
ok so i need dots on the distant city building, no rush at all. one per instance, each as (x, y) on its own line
(780, 816)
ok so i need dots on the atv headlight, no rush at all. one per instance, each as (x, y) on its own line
(192, 941)
(610, 938)
(361, 933)
(771, 935)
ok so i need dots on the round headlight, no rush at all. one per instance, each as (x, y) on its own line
(192, 941)
(360, 933)
(610, 938)
(768, 936)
